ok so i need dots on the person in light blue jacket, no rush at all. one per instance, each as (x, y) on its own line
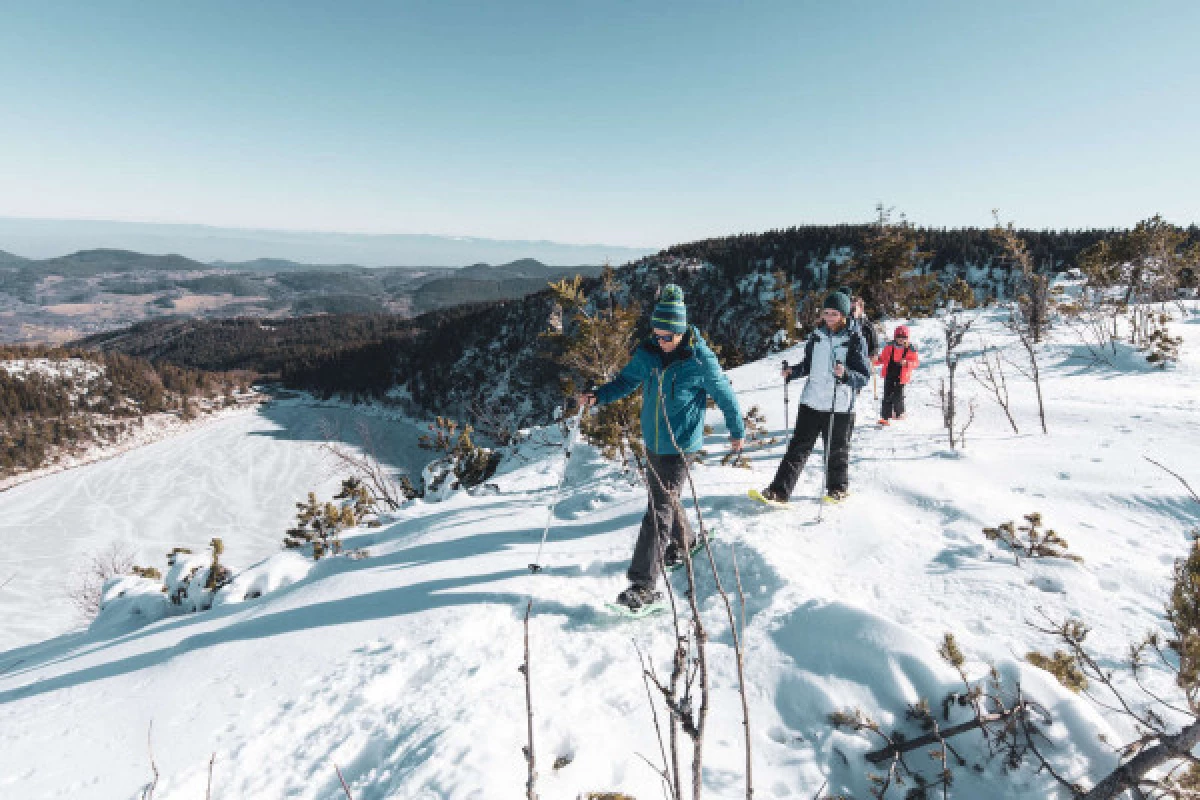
(677, 373)
(836, 365)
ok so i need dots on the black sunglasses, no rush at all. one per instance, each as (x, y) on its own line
(665, 337)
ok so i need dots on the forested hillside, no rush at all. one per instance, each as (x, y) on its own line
(56, 401)
(489, 360)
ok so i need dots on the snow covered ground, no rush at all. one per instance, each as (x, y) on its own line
(401, 668)
(237, 477)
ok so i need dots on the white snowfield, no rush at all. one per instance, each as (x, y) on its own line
(401, 668)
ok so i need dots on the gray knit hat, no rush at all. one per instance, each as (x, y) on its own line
(839, 302)
(670, 314)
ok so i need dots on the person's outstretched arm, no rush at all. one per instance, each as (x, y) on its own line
(719, 389)
(631, 376)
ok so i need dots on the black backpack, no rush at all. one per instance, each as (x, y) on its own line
(871, 334)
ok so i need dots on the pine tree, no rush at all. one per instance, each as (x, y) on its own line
(887, 271)
(784, 312)
(594, 344)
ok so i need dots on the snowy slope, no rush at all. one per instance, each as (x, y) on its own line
(400, 668)
(237, 478)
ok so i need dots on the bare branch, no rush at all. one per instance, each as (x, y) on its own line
(1130, 774)
(148, 792)
(345, 788)
(530, 785)
(1160, 466)
(701, 634)
(665, 772)
(992, 378)
(908, 745)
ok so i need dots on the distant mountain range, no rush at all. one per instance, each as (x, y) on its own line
(92, 291)
(38, 238)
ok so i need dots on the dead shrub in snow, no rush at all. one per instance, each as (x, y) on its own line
(86, 583)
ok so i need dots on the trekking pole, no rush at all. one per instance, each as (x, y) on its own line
(828, 445)
(787, 417)
(536, 566)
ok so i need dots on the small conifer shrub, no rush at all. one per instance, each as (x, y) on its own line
(218, 573)
(1030, 540)
(319, 524)
(1063, 666)
(1164, 348)
(757, 437)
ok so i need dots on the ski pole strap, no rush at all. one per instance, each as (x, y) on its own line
(568, 446)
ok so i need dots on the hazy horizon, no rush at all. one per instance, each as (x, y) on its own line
(38, 238)
(631, 124)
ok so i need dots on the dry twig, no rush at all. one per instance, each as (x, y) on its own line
(148, 792)
(530, 785)
(345, 788)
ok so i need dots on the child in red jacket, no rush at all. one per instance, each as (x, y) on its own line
(896, 363)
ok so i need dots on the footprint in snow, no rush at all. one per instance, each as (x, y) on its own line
(1049, 583)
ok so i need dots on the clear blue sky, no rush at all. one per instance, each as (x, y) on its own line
(620, 122)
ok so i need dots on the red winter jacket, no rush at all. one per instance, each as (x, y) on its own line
(907, 356)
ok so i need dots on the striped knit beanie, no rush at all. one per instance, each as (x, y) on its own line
(838, 301)
(670, 314)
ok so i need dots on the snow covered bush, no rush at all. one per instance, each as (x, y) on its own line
(464, 465)
(130, 601)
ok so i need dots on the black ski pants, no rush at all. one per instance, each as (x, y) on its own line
(893, 399)
(665, 519)
(811, 423)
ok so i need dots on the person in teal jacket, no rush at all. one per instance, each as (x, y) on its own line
(677, 372)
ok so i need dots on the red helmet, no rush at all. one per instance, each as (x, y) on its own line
(901, 330)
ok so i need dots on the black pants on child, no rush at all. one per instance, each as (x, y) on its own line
(665, 520)
(811, 423)
(893, 399)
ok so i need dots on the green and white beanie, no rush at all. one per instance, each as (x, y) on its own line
(670, 314)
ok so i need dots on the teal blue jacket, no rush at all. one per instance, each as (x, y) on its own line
(688, 376)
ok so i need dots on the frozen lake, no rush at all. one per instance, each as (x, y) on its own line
(236, 478)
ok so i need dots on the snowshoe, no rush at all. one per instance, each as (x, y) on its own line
(767, 497)
(673, 559)
(638, 601)
(834, 497)
(885, 422)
